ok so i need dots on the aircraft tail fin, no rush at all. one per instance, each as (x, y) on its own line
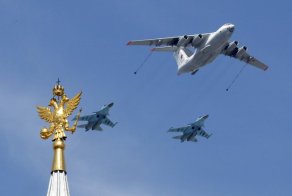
(177, 137)
(82, 126)
(194, 139)
(98, 128)
(181, 55)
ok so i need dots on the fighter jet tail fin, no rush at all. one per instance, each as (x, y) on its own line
(194, 139)
(177, 137)
(98, 128)
(82, 126)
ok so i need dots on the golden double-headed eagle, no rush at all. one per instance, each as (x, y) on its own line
(62, 109)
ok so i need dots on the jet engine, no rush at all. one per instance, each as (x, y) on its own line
(231, 46)
(191, 137)
(183, 41)
(241, 52)
(197, 40)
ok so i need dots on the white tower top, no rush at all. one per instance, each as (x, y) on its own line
(58, 185)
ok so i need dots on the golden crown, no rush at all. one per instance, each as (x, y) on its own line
(58, 90)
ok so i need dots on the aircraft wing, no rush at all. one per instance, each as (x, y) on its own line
(253, 61)
(179, 41)
(83, 118)
(108, 122)
(180, 129)
(200, 121)
(203, 133)
(103, 111)
(242, 55)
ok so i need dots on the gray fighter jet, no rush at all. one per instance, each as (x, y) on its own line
(191, 130)
(96, 119)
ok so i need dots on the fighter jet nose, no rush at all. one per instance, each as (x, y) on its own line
(206, 116)
(111, 104)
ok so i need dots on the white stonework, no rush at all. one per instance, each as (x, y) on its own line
(58, 185)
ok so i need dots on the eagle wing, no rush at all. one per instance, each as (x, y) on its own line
(45, 113)
(72, 104)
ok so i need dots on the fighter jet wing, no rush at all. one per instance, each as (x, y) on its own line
(180, 129)
(179, 41)
(83, 118)
(200, 121)
(103, 111)
(203, 133)
(242, 55)
(108, 122)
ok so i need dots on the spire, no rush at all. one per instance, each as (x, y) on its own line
(58, 185)
(57, 115)
(59, 159)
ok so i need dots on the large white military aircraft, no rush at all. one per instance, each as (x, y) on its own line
(207, 47)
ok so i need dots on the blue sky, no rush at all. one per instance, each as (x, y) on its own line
(84, 43)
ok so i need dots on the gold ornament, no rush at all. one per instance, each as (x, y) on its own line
(62, 109)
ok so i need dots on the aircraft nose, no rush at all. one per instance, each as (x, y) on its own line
(231, 28)
(206, 116)
(111, 104)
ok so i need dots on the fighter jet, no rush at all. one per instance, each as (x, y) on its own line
(96, 119)
(207, 47)
(191, 130)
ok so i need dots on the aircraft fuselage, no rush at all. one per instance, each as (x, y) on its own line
(190, 133)
(208, 50)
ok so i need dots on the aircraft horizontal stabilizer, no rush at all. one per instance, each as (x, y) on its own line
(165, 49)
(82, 126)
(98, 128)
(177, 137)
